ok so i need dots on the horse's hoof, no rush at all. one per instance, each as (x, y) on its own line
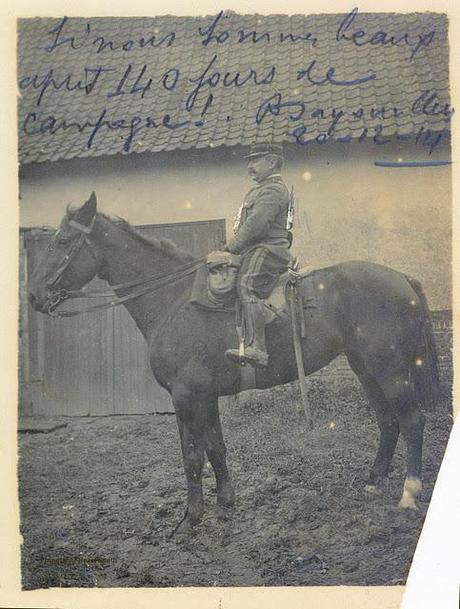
(186, 525)
(186, 529)
(227, 499)
(193, 520)
(224, 512)
(407, 504)
(412, 488)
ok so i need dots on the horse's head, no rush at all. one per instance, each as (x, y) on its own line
(70, 261)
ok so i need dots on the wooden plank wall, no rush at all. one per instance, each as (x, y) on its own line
(96, 363)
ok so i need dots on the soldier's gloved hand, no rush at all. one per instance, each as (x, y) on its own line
(222, 258)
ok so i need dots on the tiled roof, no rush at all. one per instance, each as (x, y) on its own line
(230, 119)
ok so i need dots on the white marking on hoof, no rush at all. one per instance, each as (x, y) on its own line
(412, 488)
(371, 489)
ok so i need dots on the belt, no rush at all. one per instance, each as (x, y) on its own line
(277, 233)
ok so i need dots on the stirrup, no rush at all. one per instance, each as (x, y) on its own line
(252, 356)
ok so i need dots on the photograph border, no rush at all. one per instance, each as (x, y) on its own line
(440, 520)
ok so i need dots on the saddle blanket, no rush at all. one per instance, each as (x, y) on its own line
(276, 305)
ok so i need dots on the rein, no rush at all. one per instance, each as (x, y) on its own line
(146, 286)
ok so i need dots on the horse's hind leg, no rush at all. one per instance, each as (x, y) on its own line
(401, 398)
(389, 433)
(217, 452)
(387, 422)
(412, 423)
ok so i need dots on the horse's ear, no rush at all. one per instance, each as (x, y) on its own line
(87, 211)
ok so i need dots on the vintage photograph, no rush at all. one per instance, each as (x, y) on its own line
(235, 328)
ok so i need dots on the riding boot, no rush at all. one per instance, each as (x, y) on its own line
(255, 352)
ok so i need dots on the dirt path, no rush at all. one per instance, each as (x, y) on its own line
(100, 497)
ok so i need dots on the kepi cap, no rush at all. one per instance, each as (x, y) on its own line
(264, 148)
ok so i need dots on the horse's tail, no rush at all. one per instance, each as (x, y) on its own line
(425, 366)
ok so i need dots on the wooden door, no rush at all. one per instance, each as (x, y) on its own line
(70, 359)
(96, 363)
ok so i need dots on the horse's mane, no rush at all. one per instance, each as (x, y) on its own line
(166, 246)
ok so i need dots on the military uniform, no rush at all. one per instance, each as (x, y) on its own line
(262, 238)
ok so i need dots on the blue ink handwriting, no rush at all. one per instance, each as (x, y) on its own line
(67, 83)
(196, 92)
(168, 80)
(296, 110)
(426, 137)
(35, 123)
(211, 34)
(411, 163)
(103, 44)
(361, 37)
(428, 103)
(210, 78)
(329, 78)
(275, 105)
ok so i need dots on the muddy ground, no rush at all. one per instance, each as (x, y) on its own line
(100, 497)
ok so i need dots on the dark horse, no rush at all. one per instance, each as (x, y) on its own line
(377, 316)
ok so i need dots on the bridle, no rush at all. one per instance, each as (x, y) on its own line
(57, 295)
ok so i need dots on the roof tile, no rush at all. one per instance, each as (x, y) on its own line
(398, 82)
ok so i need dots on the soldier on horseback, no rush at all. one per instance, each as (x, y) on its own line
(378, 317)
(262, 238)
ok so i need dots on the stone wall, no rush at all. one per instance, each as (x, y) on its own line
(443, 331)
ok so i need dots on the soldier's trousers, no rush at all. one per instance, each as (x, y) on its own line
(258, 274)
(257, 278)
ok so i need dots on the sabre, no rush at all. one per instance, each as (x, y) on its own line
(291, 210)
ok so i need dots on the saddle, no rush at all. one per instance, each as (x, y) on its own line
(291, 284)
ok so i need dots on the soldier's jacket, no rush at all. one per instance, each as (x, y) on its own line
(263, 219)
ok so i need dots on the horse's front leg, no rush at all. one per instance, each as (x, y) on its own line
(191, 419)
(217, 453)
